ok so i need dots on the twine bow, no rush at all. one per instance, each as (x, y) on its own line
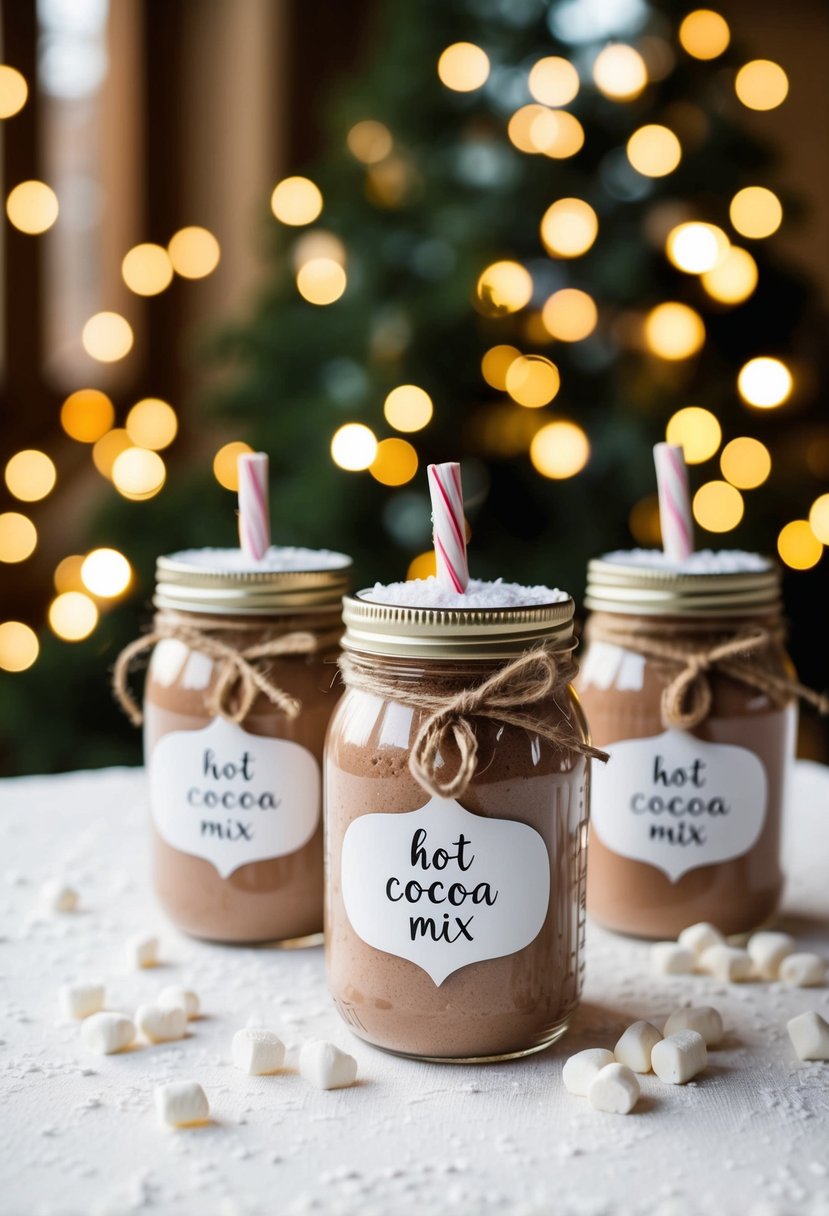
(534, 676)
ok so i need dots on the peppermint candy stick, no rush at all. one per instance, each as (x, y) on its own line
(254, 516)
(448, 524)
(674, 503)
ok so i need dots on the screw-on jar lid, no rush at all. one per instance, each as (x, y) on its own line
(643, 583)
(225, 582)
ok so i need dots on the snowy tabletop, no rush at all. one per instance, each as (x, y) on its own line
(79, 1133)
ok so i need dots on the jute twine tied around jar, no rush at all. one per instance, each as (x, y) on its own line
(534, 676)
(687, 697)
(239, 678)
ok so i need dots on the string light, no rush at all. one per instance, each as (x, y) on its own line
(138, 473)
(654, 150)
(194, 252)
(674, 331)
(798, 546)
(321, 281)
(532, 381)
(395, 463)
(745, 462)
(697, 432)
(369, 142)
(422, 566)
(296, 201)
(147, 269)
(704, 34)
(559, 450)
(570, 315)
(569, 227)
(718, 506)
(756, 212)
(18, 537)
(463, 67)
(354, 447)
(73, 616)
(14, 91)
(19, 646)
(733, 279)
(107, 337)
(108, 448)
(225, 463)
(152, 423)
(819, 518)
(696, 248)
(32, 207)
(87, 414)
(553, 81)
(408, 408)
(67, 576)
(765, 382)
(619, 72)
(30, 475)
(495, 364)
(106, 573)
(761, 85)
(503, 287)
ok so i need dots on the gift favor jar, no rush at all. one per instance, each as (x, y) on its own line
(687, 685)
(238, 698)
(456, 781)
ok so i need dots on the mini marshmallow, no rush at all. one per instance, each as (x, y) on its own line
(181, 1104)
(142, 951)
(635, 1046)
(106, 1033)
(58, 897)
(669, 958)
(700, 936)
(679, 1057)
(809, 1033)
(767, 951)
(705, 1019)
(79, 1000)
(581, 1069)
(258, 1051)
(175, 994)
(325, 1066)
(727, 963)
(160, 1025)
(614, 1089)
(803, 970)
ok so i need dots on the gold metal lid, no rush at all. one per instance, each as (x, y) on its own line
(207, 580)
(650, 590)
(452, 633)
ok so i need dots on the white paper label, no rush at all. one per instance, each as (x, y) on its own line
(444, 888)
(678, 802)
(232, 797)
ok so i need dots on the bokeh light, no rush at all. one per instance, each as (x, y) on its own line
(696, 247)
(138, 473)
(147, 269)
(318, 244)
(765, 382)
(643, 522)
(819, 518)
(369, 142)
(718, 506)
(422, 566)
(569, 227)
(559, 450)
(654, 150)
(87, 414)
(13, 91)
(354, 447)
(194, 252)
(73, 616)
(761, 84)
(395, 462)
(296, 201)
(19, 646)
(733, 279)
(697, 432)
(32, 207)
(106, 573)
(528, 125)
(30, 475)
(745, 462)
(18, 537)
(532, 381)
(408, 408)
(503, 287)
(321, 281)
(704, 34)
(619, 72)
(67, 576)
(495, 364)
(570, 315)
(756, 212)
(152, 423)
(463, 67)
(674, 331)
(107, 448)
(553, 81)
(226, 463)
(798, 546)
(554, 133)
(107, 337)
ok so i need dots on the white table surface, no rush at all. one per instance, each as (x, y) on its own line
(78, 1133)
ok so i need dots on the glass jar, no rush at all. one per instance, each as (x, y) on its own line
(454, 925)
(686, 816)
(238, 697)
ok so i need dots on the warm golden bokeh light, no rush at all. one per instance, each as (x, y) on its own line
(819, 518)
(13, 91)
(87, 414)
(321, 281)
(18, 537)
(704, 34)
(422, 566)
(106, 573)
(73, 616)
(296, 201)
(463, 67)
(194, 252)
(32, 207)
(495, 364)
(761, 84)
(318, 244)
(674, 331)
(765, 382)
(745, 462)
(718, 507)
(570, 315)
(138, 473)
(553, 133)
(654, 150)
(643, 522)
(19, 646)
(696, 247)
(354, 447)
(696, 431)
(408, 408)
(559, 450)
(395, 462)
(553, 81)
(756, 212)
(107, 448)
(569, 227)
(503, 287)
(107, 337)
(529, 124)
(226, 462)
(152, 423)
(369, 141)
(798, 546)
(30, 475)
(733, 279)
(619, 72)
(67, 576)
(147, 269)
(532, 381)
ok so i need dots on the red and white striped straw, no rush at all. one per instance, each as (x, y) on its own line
(448, 525)
(674, 501)
(254, 515)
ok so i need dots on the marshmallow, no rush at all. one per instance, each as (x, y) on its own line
(581, 1069)
(106, 1033)
(79, 1000)
(325, 1066)
(58, 897)
(704, 1019)
(669, 958)
(727, 963)
(175, 994)
(160, 1025)
(635, 1046)
(679, 1057)
(803, 970)
(700, 936)
(767, 951)
(614, 1089)
(142, 951)
(809, 1033)
(181, 1104)
(258, 1051)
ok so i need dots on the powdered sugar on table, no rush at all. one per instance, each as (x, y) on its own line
(429, 593)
